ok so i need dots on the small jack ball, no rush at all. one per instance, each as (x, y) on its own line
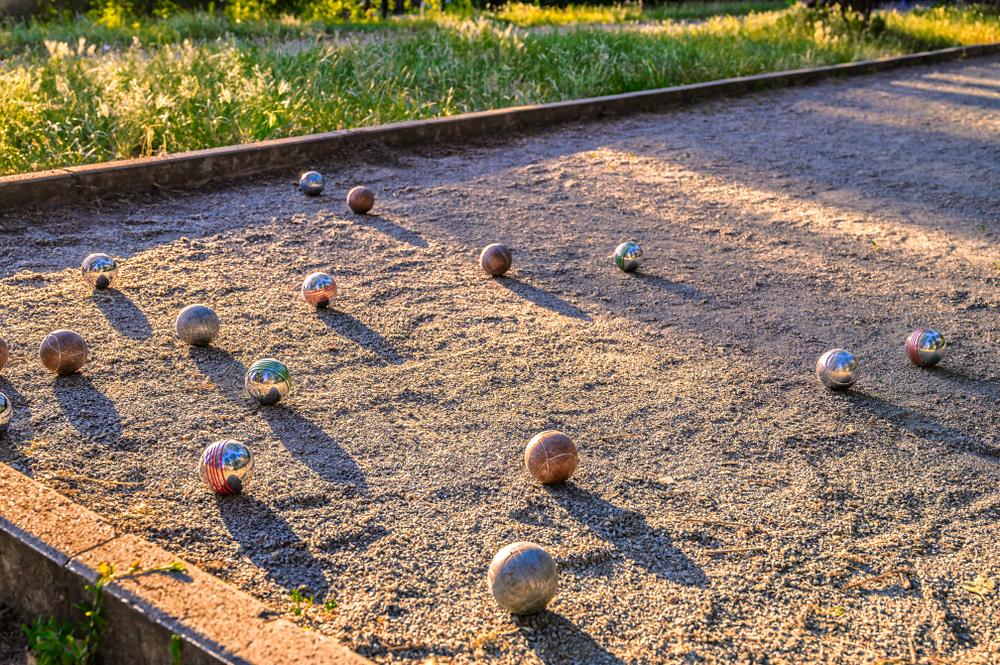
(99, 270)
(495, 259)
(311, 183)
(551, 457)
(837, 369)
(6, 411)
(628, 256)
(226, 467)
(197, 325)
(360, 200)
(925, 347)
(63, 352)
(318, 289)
(268, 381)
(523, 578)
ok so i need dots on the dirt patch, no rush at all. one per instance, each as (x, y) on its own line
(726, 508)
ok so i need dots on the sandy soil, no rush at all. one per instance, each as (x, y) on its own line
(727, 507)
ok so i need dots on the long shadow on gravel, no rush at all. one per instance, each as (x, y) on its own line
(88, 409)
(348, 326)
(391, 229)
(676, 288)
(122, 314)
(557, 641)
(20, 422)
(542, 298)
(922, 425)
(303, 438)
(268, 541)
(628, 531)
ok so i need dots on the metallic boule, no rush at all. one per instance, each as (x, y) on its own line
(311, 183)
(360, 200)
(63, 352)
(495, 259)
(318, 289)
(197, 325)
(226, 467)
(926, 347)
(523, 578)
(551, 457)
(837, 369)
(628, 256)
(268, 381)
(99, 270)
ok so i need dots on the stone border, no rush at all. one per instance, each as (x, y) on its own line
(50, 548)
(199, 167)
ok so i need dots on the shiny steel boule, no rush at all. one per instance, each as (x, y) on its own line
(197, 325)
(523, 578)
(926, 347)
(63, 352)
(837, 369)
(628, 256)
(268, 381)
(495, 259)
(226, 467)
(311, 183)
(99, 270)
(318, 289)
(6, 411)
(551, 457)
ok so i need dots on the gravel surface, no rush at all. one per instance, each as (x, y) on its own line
(727, 507)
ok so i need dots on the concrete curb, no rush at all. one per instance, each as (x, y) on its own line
(199, 167)
(50, 548)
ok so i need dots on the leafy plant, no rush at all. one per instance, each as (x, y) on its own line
(62, 643)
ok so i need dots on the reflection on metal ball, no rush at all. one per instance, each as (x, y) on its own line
(495, 259)
(551, 457)
(99, 270)
(318, 289)
(523, 578)
(197, 325)
(360, 200)
(628, 256)
(63, 352)
(6, 411)
(311, 183)
(926, 347)
(837, 369)
(268, 381)
(226, 466)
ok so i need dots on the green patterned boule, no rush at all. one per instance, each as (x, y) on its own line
(268, 381)
(628, 256)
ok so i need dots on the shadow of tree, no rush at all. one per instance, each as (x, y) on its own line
(557, 641)
(89, 410)
(348, 326)
(541, 297)
(269, 542)
(628, 531)
(305, 440)
(123, 314)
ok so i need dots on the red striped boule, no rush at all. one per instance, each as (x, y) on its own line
(495, 259)
(63, 352)
(360, 200)
(551, 457)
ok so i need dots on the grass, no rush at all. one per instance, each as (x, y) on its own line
(86, 92)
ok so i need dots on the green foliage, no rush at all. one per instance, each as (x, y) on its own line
(62, 643)
(176, 650)
(300, 602)
(81, 93)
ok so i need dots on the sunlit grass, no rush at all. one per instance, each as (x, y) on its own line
(66, 100)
